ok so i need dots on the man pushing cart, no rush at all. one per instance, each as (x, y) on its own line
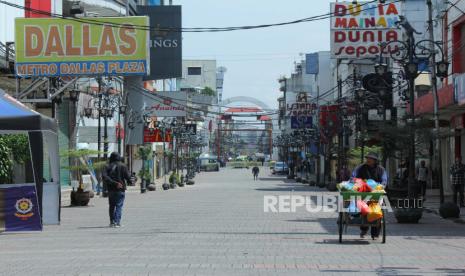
(362, 197)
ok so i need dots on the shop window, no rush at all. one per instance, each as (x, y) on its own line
(194, 71)
(458, 51)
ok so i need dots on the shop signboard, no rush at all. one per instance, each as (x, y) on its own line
(19, 208)
(358, 29)
(156, 135)
(301, 106)
(65, 47)
(301, 122)
(165, 41)
(166, 104)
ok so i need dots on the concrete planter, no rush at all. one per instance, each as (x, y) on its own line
(151, 187)
(165, 186)
(331, 186)
(190, 182)
(173, 185)
(449, 210)
(408, 215)
(406, 210)
(80, 198)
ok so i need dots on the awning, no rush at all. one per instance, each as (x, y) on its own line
(16, 116)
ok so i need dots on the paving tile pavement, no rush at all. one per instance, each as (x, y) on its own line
(218, 227)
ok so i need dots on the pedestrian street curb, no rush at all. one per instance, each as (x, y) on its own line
(436, 212)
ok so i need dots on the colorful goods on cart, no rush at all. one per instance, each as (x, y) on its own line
(361, 186)
(372, 210)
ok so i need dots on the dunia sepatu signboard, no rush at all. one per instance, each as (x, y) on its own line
(358, 30)
(68, 47)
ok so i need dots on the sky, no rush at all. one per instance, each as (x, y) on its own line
(254, 59)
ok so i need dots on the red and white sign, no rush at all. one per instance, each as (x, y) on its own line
(166, 104)
(156, 135)
(358, 30)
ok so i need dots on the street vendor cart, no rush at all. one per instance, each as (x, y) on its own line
(348, 218)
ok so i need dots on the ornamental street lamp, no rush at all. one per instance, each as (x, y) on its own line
(381, 69)
(74, 95)
(106, 105)
(408, 53)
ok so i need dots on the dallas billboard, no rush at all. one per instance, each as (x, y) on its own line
(64, 47)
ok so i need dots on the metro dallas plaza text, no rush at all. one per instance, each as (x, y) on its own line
(61, 47)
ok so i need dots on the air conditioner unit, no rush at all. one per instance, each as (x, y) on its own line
(76, 8)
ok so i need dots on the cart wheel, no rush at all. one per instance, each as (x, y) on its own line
(383, 227)
(340, 226)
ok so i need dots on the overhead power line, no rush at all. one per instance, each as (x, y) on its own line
(193, 29)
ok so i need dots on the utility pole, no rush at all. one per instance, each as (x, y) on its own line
(318, 142)
(437, 141)
(99, 81)
(340, 138)
(411, 86)
(105, 136)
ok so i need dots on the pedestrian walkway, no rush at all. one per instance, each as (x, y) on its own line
(218, 227)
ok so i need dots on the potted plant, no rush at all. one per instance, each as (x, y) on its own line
(145, 154)
(81, 195)
(174, 179)
(181, 180)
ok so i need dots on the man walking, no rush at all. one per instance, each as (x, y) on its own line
(422, 176)
(255, 171)
(371, 170)
(116, 176)
(457, 172)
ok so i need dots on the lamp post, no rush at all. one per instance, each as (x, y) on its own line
(408, 53)
(106, 105)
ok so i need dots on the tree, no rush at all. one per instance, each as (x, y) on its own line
(6, 163)
(208, 91)
(79, 168)
(14, 149)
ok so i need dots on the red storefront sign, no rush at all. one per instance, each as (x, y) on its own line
(156, 135)
(37, 8)
(119, 132)
(329, 121)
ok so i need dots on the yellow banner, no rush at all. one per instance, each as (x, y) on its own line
(82, 46)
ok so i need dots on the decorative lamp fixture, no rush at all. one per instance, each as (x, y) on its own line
(108, 112)
(122, 109)
(411, 69)
(442, 69)
(88, 112)
(381, 69)
(74, 95)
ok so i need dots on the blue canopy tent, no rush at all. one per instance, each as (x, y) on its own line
(27, 206)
